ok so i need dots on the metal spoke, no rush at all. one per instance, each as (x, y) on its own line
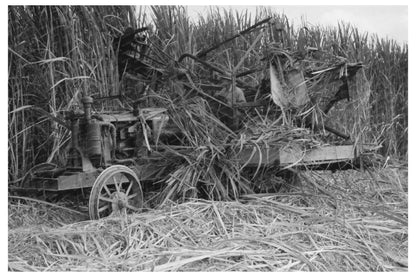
(103, 208)
(132, 208)
(129, 188)
(107, 189)
(106, 199)
(116, 184)
(132, 196)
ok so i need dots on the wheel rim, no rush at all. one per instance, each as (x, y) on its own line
(116, 191)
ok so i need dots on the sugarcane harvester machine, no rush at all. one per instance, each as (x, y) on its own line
(110, 153)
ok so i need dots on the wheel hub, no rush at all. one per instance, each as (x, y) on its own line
(120, 201)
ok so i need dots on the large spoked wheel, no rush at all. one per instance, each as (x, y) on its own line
(116, 191)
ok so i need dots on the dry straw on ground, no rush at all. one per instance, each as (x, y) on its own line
(345, 221)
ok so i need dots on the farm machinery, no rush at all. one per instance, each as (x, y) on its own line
(118, 154)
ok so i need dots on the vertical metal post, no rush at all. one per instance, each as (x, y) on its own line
(87, 101)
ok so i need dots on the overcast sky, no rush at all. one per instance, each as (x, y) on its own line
(385, 21)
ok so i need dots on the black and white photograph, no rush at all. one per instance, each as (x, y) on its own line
(207, 138)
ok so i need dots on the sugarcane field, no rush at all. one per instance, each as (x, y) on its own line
(143, 139)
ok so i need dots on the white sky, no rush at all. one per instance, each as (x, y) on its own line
(385, 21)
